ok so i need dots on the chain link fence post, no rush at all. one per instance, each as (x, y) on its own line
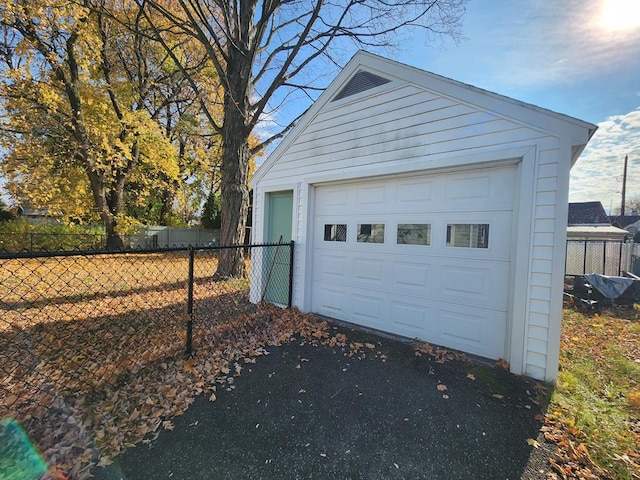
(291, 274)
(189, 341)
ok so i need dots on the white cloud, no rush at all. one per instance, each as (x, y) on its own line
(598, 173)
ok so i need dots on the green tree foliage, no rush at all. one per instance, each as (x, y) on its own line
(212, 212)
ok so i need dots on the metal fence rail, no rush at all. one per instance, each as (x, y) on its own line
(78, 323)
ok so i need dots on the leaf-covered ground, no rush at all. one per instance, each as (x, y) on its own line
(74, 432)
(594, 413)
(86, 341)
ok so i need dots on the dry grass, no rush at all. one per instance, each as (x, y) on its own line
(594, 414)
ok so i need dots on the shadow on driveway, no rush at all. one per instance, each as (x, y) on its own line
(312, 412)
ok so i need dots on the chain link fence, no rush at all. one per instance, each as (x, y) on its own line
(605, 257)
(79, 326)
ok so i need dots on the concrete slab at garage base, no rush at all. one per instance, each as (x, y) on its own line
(310, 412)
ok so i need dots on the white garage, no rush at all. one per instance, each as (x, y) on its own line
(429, 209)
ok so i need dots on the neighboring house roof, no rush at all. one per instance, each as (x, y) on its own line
(633, 228)
(587, 213)
(625, 220)
(595, 232)
(27, 211)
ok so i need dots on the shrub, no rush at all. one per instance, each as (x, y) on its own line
(20, 235)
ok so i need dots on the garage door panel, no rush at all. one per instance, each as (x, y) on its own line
(477, 187)
(368, 270)
(369, 310)
(486, 190)
(372, 195)
(333, 266)
(331, 197)
(415, 194)
(461, 329)
(472, 330)
(330, 301)
(412, 320)
(411, 277)
(475, 285)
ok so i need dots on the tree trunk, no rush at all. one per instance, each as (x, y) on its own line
(235, 204)
(168, 196)
(114, 241)
(235, 161)
(234, 196)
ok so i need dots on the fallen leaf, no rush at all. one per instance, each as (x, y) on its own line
(471, 376)
(189, 364)
(441, 387)
(634, 399)
(104, 461)
(533, 443)
(370, 346)
(498, 396)
(168, 425)
(502, 363)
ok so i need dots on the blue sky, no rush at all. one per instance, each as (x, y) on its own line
(576, 57)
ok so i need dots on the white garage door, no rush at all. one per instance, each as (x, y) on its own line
(424, 257)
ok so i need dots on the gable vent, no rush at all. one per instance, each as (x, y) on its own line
(360, 82)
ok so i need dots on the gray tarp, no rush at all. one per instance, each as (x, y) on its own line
(610, 287)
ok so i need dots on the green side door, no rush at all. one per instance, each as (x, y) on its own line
(277, 259)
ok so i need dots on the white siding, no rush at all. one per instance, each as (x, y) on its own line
(379, 132)
(540, 280)
(299, 260)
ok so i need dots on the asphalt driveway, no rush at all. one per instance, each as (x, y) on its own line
(314, 412)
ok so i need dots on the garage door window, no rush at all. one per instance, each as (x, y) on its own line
(472, 235)
(335, 233)
(414, 234)
(371, 232)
